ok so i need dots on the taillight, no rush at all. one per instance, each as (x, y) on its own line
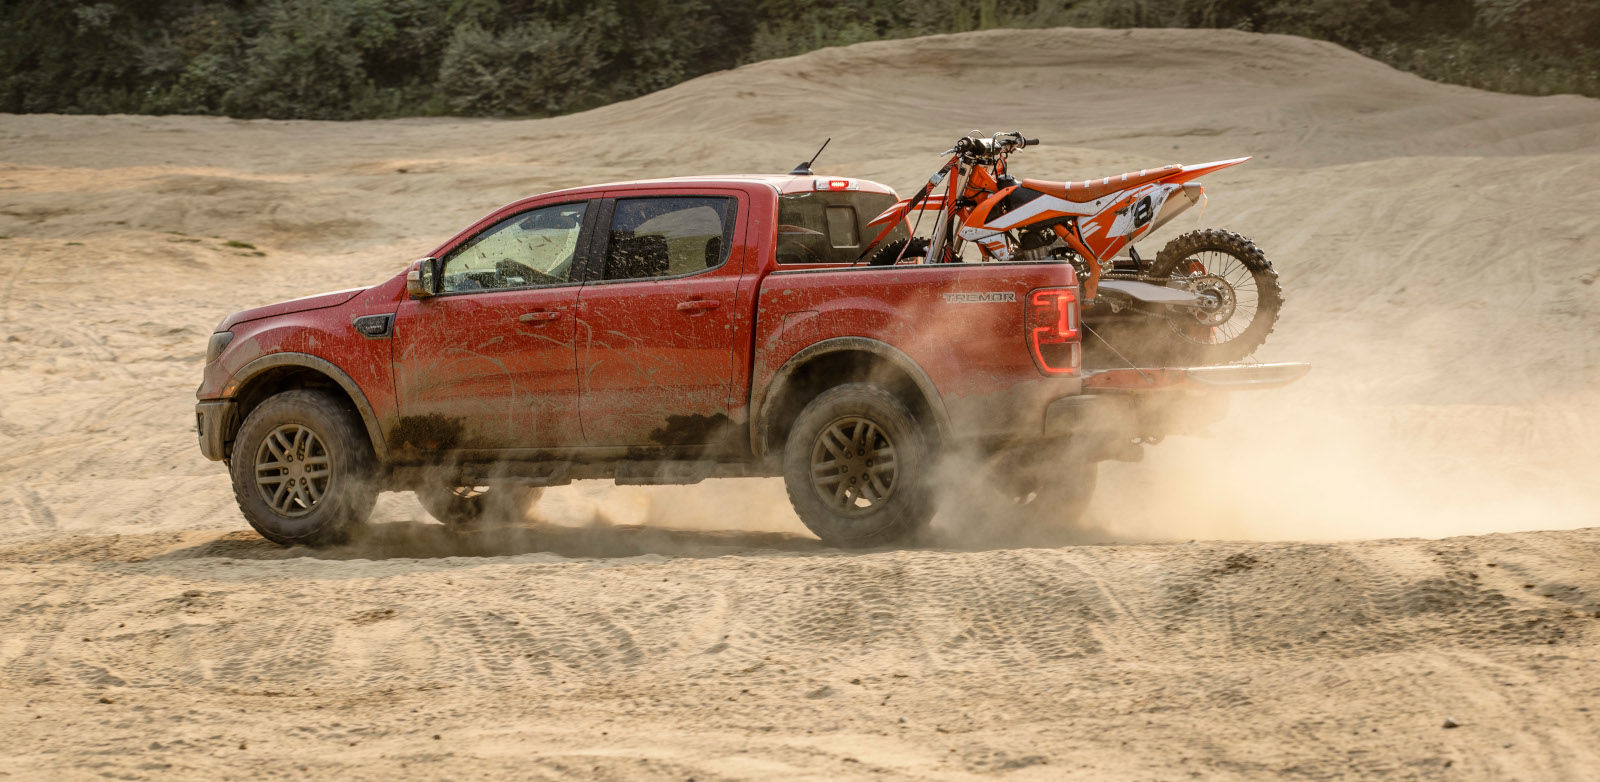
(1053, 335)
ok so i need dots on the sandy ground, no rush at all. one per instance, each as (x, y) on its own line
(1291, 596)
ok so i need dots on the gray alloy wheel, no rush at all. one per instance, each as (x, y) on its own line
(292, 470)
(855, 467)
(302, 469)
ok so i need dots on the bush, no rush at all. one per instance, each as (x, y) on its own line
(345, 59)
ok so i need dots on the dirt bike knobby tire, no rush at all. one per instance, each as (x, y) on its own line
(892, 252)
(1269, 293)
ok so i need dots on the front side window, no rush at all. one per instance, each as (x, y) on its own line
(669, 236)
(526, 250)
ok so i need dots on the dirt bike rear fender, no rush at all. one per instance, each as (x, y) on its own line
(1191, 173)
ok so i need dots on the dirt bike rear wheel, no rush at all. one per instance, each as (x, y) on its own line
(1234, 274)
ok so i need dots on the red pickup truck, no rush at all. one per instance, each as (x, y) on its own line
(670, 331)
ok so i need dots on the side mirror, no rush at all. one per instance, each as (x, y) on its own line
(422, 281)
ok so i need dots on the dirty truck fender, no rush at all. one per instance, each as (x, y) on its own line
(764, 397)
(369, 419)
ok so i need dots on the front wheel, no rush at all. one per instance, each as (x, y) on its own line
(302, 469)
(855, 467)
(1238, 289)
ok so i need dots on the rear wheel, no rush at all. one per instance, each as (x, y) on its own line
(302, 469)
(855, 467)
(1240, 290)
(466, 507)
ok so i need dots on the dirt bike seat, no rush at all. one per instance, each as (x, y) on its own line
(1090, 189)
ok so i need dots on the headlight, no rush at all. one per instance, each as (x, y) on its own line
(218, 341)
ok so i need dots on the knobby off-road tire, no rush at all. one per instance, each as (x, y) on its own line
(471, 507)
(302, 469)
(897, 251)
(1250, 275)
(856, 468)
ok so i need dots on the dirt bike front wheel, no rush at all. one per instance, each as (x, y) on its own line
(1238, 287)
(899, 251)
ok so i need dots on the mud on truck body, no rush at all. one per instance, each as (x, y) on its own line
(670, 331)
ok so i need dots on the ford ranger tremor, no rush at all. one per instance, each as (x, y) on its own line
(670, 331)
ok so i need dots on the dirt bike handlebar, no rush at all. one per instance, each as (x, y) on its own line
(976, 149)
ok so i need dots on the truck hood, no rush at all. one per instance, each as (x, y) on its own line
(317, 302)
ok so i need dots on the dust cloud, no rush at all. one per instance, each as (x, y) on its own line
(1438, 249)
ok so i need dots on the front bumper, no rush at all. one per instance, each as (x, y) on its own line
(214, 420)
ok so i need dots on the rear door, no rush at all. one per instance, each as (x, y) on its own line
(488, 363)
(657, 323)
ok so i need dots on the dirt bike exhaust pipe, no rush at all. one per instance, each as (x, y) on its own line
(1182, 198)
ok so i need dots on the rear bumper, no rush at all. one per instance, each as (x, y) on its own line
(1123, 417)
(213, 420)
(1128, 403)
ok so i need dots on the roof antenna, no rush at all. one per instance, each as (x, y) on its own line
(804, 169)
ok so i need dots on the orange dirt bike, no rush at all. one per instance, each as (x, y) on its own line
(1209, 296)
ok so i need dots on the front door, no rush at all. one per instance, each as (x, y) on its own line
(489, 362)
(656, 330)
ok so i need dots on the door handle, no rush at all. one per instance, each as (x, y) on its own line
(541, 316)
(694, 305)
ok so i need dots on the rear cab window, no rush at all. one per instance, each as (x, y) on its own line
(830, 226)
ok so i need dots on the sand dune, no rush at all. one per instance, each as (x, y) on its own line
(1438, 248)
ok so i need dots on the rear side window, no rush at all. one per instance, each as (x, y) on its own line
(670, 236)
(830, 226)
